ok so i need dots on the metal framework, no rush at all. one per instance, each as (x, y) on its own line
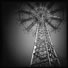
(43, 53)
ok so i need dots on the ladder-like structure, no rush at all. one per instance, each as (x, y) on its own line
(43, 52)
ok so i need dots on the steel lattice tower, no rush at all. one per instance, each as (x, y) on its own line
(43, 50)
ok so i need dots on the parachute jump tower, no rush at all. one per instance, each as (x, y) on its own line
(43, 54)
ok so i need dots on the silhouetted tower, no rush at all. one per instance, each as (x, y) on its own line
(43, 50)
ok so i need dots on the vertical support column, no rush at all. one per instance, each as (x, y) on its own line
(34, 47)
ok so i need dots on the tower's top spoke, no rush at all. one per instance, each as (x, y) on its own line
(30, 26)
(24, 11)
(25, 20)
(57, 19)
(57, 10)
(51, 25)
(31, 6)
(49, 5)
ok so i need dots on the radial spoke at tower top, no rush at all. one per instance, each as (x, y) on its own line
(44, 3)
(30, 26)
(57, 10)
(56, 18)
(51, 25)
(31, 6)
(25, 20)
(24, 12)
(49, 5)
(37, 4)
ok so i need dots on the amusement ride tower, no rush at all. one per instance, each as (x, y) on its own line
(43, 54)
